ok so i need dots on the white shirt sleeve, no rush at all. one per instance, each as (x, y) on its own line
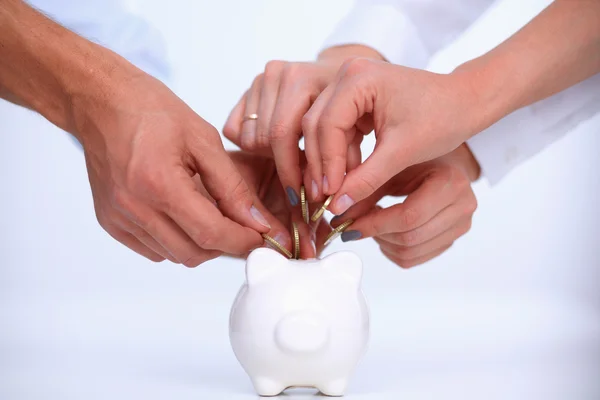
(110, 24)
(408, 33)
(526, 132)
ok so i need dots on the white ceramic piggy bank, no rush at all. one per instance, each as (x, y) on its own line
(300, 323)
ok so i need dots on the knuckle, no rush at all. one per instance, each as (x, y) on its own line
(121, 200)
(410, 238)
(258, 79)
(193, 261)
(146, 182)
(356, 66)
(277, 132)
(205, 239)
(407, 253)
(239, 191)
(471, 206)
(405, 264)
(248, 143)
(273, 69)
(366, 182)
(409, 219)
(229, 131)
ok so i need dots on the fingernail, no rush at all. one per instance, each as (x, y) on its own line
(259, 217)
(344, 203)
(351, 235)
(292, 196)
(325, 185)
(315, 190)
(314, 246)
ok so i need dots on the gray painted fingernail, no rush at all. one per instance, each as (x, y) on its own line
(292, 195)
(351, 235)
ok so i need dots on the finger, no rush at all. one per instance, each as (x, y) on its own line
(354, 155)
(248, 136)
(431, 197)
(232, 129)
(360, 209)
(353, 97)
(285, 132)
(132, 243)
(322, 230)
(314, 178)
(140, 234)
(225, 185)
(168, 235)
(268, 98)
(445, 220)
(446, 238)
(308, 249)
(210, 229)
(365, 179)
(414, 262)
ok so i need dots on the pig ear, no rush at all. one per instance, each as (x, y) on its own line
(263, 263)
(346, 265)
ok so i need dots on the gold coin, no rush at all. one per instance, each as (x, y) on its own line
(304, 204)
(319, 213)
(338, 231)
(296, 241)
(276, 244)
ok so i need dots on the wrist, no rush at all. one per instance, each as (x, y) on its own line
(489, 95)
(45, 67)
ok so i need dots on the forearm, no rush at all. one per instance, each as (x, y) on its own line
(45, 67)
(556, 50)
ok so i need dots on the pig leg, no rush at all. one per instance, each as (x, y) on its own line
(334, 388)
(267, 386)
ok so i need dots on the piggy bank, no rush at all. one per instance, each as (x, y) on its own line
(300, 323)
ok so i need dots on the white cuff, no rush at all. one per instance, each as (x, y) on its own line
(526, 132)
(384, 28)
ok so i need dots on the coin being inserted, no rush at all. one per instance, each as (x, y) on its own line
(319, 212)
(296, 241)
(338, 231)
(277, 245)
(304, 204)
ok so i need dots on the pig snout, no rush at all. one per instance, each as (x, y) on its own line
(301, 332)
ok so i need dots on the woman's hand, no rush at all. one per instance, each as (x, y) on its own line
(438, 209)
(268, 118)
(417, 116)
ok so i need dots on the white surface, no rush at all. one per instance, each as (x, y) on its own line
(300, 322)
(512, 311)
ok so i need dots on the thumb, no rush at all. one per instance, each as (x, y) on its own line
(366, 179)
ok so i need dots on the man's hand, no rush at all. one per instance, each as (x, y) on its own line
(142, 144)
(438, 209)
(142, 148)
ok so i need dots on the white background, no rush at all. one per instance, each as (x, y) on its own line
(512, 311)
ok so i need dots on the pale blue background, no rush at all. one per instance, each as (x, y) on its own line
(512, 311)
